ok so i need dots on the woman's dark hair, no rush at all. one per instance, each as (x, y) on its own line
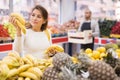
(44, 15)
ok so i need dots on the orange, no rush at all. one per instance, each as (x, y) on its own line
(88, 50)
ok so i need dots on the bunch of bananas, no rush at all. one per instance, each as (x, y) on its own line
(14, 67)
(53, 49)
(20, 21)
(3, 71)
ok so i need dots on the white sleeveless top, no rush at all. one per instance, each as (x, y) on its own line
(34, 43)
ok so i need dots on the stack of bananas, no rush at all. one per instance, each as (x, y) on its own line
(53, 49)
(14, 67)
(20, 21)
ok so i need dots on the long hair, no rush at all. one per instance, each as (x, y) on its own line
(44, 15)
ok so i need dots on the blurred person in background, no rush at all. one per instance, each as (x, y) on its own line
(89, 24)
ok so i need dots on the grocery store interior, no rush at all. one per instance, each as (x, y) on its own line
(60, 40)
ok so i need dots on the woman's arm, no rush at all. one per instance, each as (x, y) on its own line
(19, 39)
(18, 44)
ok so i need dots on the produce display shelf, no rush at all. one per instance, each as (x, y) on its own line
(103, 41)
(60, 40)
(5, 47)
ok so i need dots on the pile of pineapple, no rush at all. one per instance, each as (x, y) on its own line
(100, 64)
(14, 67)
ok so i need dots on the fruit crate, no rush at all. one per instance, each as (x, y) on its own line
(79, 37)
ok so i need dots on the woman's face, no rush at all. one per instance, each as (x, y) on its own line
(36, 19)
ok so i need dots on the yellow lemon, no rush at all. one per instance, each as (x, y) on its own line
(118, 55)
(96, 54)
(101, 49)
(90, 54)
(88, 50)
(75, 60)
(101, 59)
(103, 55)
(93, 58)
(118, 50)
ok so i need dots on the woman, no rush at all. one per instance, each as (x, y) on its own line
(36, 39)
(89, 24)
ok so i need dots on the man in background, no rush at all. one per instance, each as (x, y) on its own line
(89, 24)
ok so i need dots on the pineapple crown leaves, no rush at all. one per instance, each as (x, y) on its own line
(111, 53)
(84, 58)
(67, 74)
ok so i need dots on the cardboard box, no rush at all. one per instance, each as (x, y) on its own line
(79, 37)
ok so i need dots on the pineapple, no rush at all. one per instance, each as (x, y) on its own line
(117, 67)
(61, 59)
(113, 61)
(80, 77)
(51, 73)
(111, 58)
(67, 74)
(98, 70)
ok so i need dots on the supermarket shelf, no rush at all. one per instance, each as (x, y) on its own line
(60, 40)
(103, 41)
(5, 47)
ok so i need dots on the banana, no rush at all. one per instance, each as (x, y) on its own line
(53, 49)
(2, 78)
(18, 17)
(27, 78)
(12, 73)
(20, 78)
(4, 71)
(13, 78)
(23, 28)
(30, 57)
(21, 62)
(0, 62)
(11, 61)
(36, 71)
(24, 67)
(51, 65)
(20, 21)
(42, 68)
(27, 61)
(29, 75)
(14, 54)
